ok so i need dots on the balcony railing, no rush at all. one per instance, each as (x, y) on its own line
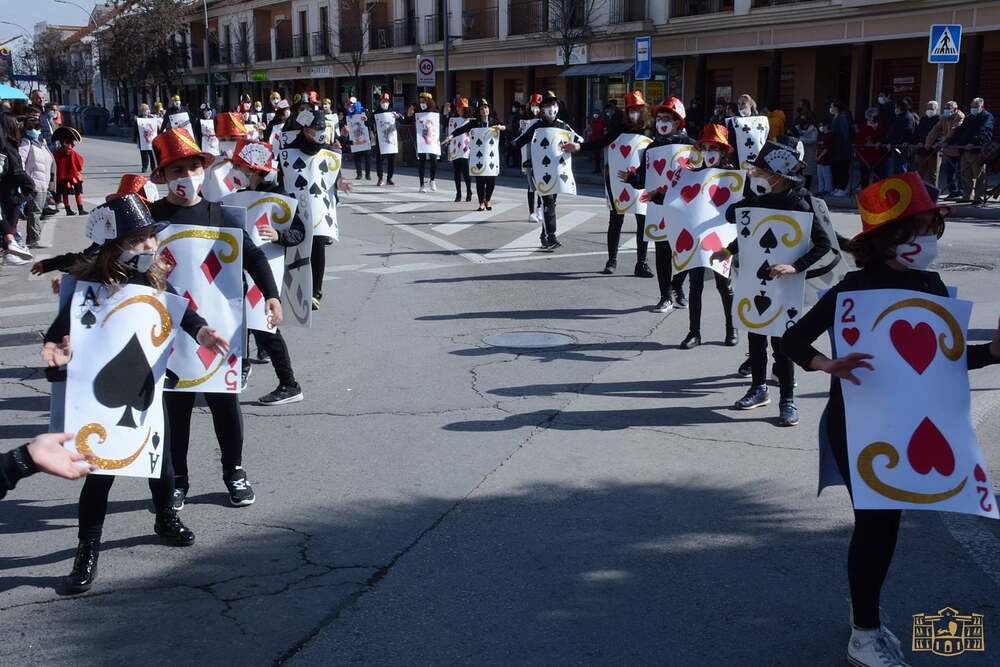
(404, 31)
(481, 24)
(695, 7)
(225, 54)
(525, 18)
(381, 37)
(241, 54)
(262, 51)
(627, 11)
(321, 43)
(434, 28)
(300, 46)
(283, 47)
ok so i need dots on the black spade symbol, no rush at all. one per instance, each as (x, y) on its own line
(544, 143)
(479, 142)
(564, 177)
(88, 319)
(547, 178)
(329, 220)
(562, 160)
(791, 312)
(761, 303)
(299, 163)
(764, 273)
(126, 381)
(768, 241)
(479, 154)
(324, 166)
(300, 183)
(492, 141)
(315, 190)
(546, 161)
(745, 232)
(156, 441)
(491, 166)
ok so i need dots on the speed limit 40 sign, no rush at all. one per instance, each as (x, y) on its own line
(426, 71)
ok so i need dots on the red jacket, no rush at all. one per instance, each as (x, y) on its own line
(869, 135)
(69, 165)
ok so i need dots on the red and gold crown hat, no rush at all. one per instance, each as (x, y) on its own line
(674, 106)
(635, 99)
(133, 184)
(173, 145)
(229, 124)
(536, 99)
(255, 155)
(896, 198)
(715, 134)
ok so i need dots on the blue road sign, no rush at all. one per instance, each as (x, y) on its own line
(945, 43)
(643, 58)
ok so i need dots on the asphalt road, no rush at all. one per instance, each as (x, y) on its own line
(436, 499)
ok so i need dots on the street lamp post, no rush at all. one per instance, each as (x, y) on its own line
(208, 58)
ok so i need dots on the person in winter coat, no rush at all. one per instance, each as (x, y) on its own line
(840, 157)
(972, 137)
(868, 140)
(924, 160)
(899, 135)
(69, 168)
(937, 141)
(809, 136)
(38, 162)
(15, 185)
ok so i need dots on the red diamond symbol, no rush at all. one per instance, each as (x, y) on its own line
(262, 221)
(254, 295)
(206, 355)
(192, 304)
(211, 266)
(169, 259)
(232, 360)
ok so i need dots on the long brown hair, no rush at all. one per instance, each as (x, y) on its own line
(107, 267)
(642, 124)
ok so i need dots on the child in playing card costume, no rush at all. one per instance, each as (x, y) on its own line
(69, 168)
(549, 117)
(484, 184)
(668, 123)
(636, 122)
(229, 128)
(181, 165)
(426, 104)
(534, 199)
(127, 255)
(460, 163)
(776, 180)
(884, 253)
(385, 111)
(716, 153)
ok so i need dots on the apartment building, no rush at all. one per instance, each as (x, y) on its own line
(779, 51)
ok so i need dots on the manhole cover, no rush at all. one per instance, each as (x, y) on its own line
(961, 266)
(529, 339)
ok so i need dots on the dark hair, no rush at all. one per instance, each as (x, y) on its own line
(879, 245)
(905, 104)
(107, 267)
(641, 124)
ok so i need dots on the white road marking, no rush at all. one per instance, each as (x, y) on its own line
(528, 244)
(402, 268)
(47, 307)
(470, 219)
(472, 257)
(403, 208)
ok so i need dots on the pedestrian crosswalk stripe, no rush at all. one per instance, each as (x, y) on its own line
(470, 219)
(527, 244)
(403, 208)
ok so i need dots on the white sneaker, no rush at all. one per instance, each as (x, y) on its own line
(434, 186)
(16, 248)
(13, 260)
(534, 217)
(875, 648)
(423, 188)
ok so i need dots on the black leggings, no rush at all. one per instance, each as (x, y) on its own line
(148, 160)
(549, 223)
(276, 348)
(725, 287)
(870, 553)
(615, 222)
(840, 171)
(390, 165)
(532, 199)
(460, 170)
(93, 505)
(422, 160)
(665, 271)
(783, 366)
(228, 420)
(361, 158)
(317, 261)
(484, 188)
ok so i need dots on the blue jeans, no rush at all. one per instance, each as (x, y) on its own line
(949, 175)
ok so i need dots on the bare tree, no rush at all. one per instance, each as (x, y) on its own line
(571, 24)
(47, 57)
(243, 50)
(351, 37)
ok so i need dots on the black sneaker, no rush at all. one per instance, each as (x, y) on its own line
(317, 299)
(732, 338)
(756, 397)
(691, 341)
(83, 211)
(70, 211)
(664, 305)
(245, 372)
(610, 267)
(680, 301)
(173, 531)
(468, 196)
(180, 493)
(745, 370)
(81, 578)
(388, 181)
(282, 395)
(240, 491)
(788, 413)
(642, 270)
(553, 245)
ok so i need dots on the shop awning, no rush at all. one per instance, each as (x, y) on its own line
(608, 69)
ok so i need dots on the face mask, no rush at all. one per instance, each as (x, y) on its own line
(534, 110)
(759, 185)
(423, 106)
(881, 99)
(711, 158)
(833, 111)
(187, 188)
(931, 113)
(822, 129)
(919, 253)
(664, 126)
(33, 134)
(140, 261)
(975, 110)
(326, 108)
(947, 113)
(52, 115)
(633, 116)
(873, 123)
(384, 105)
(744, 111)
(257, 107)
(513, 109)
(551, 112)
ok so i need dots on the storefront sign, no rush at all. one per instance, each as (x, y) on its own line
(321, 71)
(578, 56)
(258, 75)
(643, 58)
(654, 91)
(616, 91)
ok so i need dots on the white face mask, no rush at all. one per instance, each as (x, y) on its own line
(423, 106)
(759, 185)
(551, 112)
(975, 110)
(744, 111)
(139, 261)
(664, 126)
(833, 111)
(711, 158)
(919, 253)
(882, 99)
(633, 116)
(257, 107)
(931, 113)
(534, 110)
(384, 105)
(187, 188)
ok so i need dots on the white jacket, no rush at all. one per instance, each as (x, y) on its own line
(37, 161)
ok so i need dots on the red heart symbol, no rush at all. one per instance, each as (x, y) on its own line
(915, 344)
(670, 174)
(623, 197)
(979, 474)
(712, 242)
(928, 450)
(613, 146)
(719, 195)
(659, 166)
(689, 192)
(684, 242)
(625, 149)
(851, 335)
(682, 161)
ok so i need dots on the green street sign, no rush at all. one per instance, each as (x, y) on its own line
(258, 75)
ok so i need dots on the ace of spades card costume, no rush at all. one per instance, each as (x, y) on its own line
(145, 319)
(883, 205)
(171, 147)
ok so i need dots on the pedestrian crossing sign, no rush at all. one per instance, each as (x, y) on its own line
(945, 43)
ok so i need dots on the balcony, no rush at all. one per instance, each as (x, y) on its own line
(198, 57)
(626, 11)
(434, 28)
(404, 31)
(225, 54)
(283, 47)
(262, 50)
(241, 54)
(526, 18)
(300, 46)
(381, 37)
(480, 24)
(695, 7)
(772, 3)
(321, 43)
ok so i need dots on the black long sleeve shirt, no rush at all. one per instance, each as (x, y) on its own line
(15, 465)
(789, 200)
